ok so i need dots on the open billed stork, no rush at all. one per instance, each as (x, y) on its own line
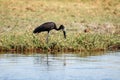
(48, 26)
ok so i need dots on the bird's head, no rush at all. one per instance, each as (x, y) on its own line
(64, 30)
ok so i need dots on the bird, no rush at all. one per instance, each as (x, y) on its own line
(48, 26)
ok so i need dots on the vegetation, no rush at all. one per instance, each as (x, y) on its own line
(18, 18)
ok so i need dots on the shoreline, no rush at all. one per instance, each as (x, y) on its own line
(40, 50)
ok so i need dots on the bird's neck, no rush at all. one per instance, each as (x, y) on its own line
(57, 28)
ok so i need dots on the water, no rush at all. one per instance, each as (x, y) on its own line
(82, 66)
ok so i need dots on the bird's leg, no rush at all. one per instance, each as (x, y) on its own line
(47, 37)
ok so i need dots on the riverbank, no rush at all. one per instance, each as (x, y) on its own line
(100, 30)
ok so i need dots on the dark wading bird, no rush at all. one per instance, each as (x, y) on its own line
(48, 26)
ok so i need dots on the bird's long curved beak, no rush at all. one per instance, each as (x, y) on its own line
(64, 32)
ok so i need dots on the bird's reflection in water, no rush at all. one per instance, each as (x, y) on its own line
(50, 59)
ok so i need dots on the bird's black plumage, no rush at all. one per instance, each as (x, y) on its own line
(45, 27)
(48, 26)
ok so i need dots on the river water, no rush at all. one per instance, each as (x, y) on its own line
(60, 66)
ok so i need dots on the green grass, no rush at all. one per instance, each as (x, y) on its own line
(18, 19)
(84, 42)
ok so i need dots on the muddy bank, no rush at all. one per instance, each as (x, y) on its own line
(40, 50)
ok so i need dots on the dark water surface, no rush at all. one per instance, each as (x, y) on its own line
(82, 66)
